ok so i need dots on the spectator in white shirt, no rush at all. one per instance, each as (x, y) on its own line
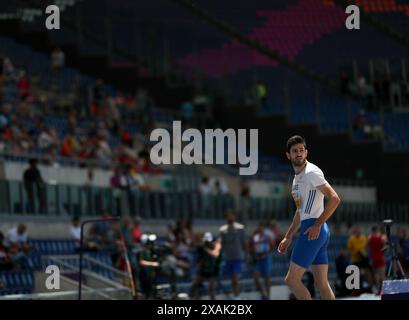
(57, 59)
(75, 230)
(219, 188)
(205, 188)
(17, 235)
(18, 246)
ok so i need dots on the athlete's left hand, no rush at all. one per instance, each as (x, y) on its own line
(313, 232)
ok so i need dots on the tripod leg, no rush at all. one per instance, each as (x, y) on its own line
(389, 270)
(401, 270)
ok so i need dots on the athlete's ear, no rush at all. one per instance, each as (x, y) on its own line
(288, 156)
(306, 152)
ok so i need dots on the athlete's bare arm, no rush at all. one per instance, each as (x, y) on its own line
(145, 263)
(330, 207)
(215, 252)
(286, 242)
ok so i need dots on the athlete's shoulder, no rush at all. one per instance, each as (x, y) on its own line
(238, 226)
(223, 228)
(312, 168)
(314, 175)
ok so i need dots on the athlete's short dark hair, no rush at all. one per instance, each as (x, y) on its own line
(295, 140)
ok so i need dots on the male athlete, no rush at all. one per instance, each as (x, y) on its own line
(308, 190)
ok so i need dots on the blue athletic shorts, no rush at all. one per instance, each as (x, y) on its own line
(233, 266)
(307, 252)
(263, 266)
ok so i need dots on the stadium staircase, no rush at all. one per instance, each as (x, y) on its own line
(100, 279)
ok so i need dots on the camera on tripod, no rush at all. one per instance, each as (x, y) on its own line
(395, 264)
(388, 223)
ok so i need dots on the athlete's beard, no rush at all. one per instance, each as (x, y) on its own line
(298, 164)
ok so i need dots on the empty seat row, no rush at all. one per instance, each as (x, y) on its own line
(53, 246)
(16, 281)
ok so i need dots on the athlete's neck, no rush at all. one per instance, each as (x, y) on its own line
(298, 169)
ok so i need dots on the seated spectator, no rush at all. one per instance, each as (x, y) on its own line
(3, 122)
(6, 263)
(75, 230)
(18, 247)
(57, 60)
(143, 165)
(72, 123)
(18, 235)
(48, 141)
(136, 179)
(103, 151)
(18, 257)
(98, 96)
(70, 146)
(23, 85)
(8, 67)
(126, 138)
(114, 119)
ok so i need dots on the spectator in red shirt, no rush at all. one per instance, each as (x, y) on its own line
(137, 231)
(376, 243)
(126, 138)
(23, 85)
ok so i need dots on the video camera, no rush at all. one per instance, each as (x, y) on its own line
(388, 224)
(158, 249)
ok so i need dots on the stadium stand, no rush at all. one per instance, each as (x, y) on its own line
(92, 126)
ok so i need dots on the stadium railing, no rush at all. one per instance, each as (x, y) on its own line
(76, 200)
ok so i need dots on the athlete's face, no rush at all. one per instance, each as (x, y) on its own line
(297, 155)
